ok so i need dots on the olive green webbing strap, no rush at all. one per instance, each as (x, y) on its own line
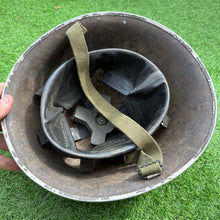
(148, 156)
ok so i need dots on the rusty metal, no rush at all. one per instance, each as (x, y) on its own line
(166, 121)
(192, 107)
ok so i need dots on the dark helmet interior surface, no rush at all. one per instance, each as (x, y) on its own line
(140, 67)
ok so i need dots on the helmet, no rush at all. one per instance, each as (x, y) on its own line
(125, 52)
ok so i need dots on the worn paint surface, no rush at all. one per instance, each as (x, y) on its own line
(192, 107)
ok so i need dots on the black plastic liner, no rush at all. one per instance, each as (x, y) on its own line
(132, 79)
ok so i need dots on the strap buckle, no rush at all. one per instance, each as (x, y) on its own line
(150, 176)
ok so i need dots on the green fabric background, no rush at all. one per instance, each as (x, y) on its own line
(195, 194)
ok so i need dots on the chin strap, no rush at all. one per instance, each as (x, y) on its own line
(148, 156)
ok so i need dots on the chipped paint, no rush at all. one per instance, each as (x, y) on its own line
(137, 192)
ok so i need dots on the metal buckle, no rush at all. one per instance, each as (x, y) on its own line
(151, 175)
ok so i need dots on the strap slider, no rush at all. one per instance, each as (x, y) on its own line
(150, 175)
